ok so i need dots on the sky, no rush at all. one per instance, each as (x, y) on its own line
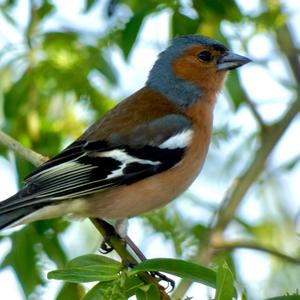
(258, 81)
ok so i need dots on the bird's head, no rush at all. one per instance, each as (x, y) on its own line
(191, 67)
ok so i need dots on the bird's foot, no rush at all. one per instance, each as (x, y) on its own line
(162, 277)
(105, 248)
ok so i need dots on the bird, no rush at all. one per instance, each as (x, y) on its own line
(141, 154)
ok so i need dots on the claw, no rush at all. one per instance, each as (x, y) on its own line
(160, 276)
(105, 248)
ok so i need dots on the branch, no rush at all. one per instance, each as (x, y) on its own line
(287, 45)
(105, 229)
(255, 112)
(227, 246)
(29, 155)
(269, 140)
(221, 245)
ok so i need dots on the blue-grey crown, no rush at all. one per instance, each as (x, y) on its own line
(163, 79)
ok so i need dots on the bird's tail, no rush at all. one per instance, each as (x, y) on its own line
(12, 211)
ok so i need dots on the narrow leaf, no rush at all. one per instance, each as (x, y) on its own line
(190, 25)
(111, 290)
(179, 268)
(225, 283)
(91, 260)
(148, 292)
(132, 283)
(88, 5)
(97, 292)
(102, 65)
(88, 268)
(131, 30)
(72, 291)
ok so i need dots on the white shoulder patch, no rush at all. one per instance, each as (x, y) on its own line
(125, 159)
(180, 140)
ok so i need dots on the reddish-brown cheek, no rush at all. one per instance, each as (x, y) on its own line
(205, 76)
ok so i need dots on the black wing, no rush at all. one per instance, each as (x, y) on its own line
(87, 167)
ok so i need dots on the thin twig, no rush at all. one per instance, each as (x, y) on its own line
(268, 142)
(28, 154)
(227, 246)
(255, 113)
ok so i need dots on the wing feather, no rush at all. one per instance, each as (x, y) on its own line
(88, 167)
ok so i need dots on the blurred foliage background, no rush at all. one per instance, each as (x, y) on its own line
(57, 75)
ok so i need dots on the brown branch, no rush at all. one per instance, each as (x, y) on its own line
(228, 246)
(286, 43)
(269, 140)
(255, 112)
(33, 157)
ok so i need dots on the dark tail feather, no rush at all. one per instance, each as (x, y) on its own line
(9, 218)
(15, 212)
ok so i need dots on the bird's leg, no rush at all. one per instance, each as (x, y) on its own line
(120, 230)
(142, 257)
(105, 248)
(135, 248)
(121, 227)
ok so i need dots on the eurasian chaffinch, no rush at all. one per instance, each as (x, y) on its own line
(140, 155)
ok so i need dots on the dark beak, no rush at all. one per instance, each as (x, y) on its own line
(230, 61)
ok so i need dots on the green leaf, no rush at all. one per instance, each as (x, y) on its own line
(131, 284)
(179, 268)
(235, 90)
(97, 292)
(98, 61)
(88, 268)
(131, 30)
(106, 69)
(44, 10)
(15, 97)
(190, 25)
(200, 231)
(110, 290)
(88, 5)
(218, 10)
(148, 292)
(225, 282)
(72, 291)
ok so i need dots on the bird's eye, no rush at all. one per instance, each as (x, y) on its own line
(205, 56)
